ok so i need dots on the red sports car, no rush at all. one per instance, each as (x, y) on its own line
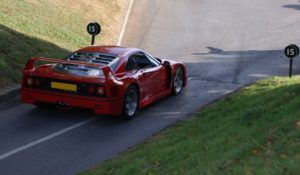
(108, 79)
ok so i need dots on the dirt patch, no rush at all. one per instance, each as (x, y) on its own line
(109, 13)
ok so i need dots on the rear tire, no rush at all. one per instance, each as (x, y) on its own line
(177, 81)
(131, 103)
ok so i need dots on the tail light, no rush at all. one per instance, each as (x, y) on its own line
(33, 82)
(100, 90)
(29, 81)
(96, 90)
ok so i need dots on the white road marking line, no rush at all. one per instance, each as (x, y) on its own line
(44, 139)
(125, 23)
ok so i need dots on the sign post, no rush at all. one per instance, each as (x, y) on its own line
(93, 29)
(291, 51)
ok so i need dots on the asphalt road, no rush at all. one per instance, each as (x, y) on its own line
(226, 45)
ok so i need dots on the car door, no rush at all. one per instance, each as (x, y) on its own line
(143, 80)
(160, 75)
(150, 74)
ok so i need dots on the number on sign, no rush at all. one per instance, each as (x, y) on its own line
(290, 52)
(92, 29)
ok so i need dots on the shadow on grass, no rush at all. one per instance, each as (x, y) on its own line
(16, 48)
(292, 6)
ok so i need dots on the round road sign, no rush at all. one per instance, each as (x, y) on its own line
(291, 51)
(93, 28)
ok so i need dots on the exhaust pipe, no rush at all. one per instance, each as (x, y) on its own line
(63, 105)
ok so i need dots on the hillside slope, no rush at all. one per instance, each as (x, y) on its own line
(52, 29)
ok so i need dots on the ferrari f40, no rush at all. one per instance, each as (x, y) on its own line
(107, 79)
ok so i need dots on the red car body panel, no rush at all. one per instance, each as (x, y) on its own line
(152, 83)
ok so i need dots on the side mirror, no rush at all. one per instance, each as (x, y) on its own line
(167, 64)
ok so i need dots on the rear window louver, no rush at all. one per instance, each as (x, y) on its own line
(92, 57)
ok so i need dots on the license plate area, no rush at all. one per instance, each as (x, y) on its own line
(64, 86)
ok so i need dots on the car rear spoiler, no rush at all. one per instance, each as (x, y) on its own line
(108, 73)
(31, 61)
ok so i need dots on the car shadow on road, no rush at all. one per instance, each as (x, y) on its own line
(52, 114)
(40, 118)
(292, 6)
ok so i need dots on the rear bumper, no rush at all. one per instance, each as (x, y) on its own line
(100, 106)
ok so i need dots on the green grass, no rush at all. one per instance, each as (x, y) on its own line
(17, 48)
(51, 29)
(254, 131)
(45, 21)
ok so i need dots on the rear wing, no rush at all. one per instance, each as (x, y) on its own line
(108, 73)
(31, 61)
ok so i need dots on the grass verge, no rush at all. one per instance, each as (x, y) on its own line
(52, 29)
(254, 131)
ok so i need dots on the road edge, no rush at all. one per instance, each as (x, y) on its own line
(125, 23)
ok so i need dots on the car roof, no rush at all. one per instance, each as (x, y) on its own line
(113, 50)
